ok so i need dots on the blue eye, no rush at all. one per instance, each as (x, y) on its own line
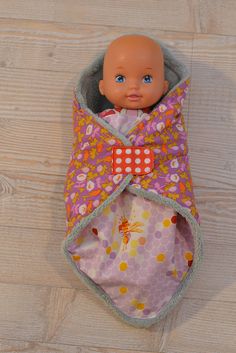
(120, 78)
(147, 79)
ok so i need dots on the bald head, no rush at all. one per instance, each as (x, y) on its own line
(133, 45)
(139, 62)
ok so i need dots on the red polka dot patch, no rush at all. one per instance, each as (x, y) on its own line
(132, 160)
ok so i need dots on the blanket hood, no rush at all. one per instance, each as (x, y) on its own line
(94, 196)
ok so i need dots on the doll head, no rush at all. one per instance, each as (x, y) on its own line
(133, 72)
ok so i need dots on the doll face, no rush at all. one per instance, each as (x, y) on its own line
(133, 73)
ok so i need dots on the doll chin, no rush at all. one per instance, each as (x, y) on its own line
(136, 104)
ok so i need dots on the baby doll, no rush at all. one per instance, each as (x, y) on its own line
(134, 239)
(133, 79)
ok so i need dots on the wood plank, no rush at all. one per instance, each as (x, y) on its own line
(43, 47)
(15, 346)
(199, 16)
(176, 16)
(216, 16)
(34, 205)
(66, 316)
(71, 317)
(33, 256)
(35, 95)
(37, 139)
(22, 311)
(212, 118)
(203, 326)
(70, 47)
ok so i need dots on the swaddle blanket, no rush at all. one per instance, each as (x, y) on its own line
(132, 230)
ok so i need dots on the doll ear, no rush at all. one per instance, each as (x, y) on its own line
(101, 87)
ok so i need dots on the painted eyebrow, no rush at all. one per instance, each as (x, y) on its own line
(121, 67)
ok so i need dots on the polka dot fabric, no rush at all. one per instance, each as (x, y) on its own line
(142, 258)
(132, 160)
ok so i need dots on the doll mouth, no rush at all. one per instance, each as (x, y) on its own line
(133, 97)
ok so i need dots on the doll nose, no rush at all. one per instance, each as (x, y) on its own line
(134, 84)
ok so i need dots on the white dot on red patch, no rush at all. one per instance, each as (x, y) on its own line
(132, 160)
(128, 169)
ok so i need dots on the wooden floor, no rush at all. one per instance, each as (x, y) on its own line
(44, 45)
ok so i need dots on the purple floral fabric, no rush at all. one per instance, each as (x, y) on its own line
(138, 250)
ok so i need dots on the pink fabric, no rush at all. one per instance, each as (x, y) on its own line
(122, 119)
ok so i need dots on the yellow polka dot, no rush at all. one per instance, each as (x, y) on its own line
(79, 240)
(188, 256)
(174, 273)
(76, 257)
(134, 243)
(184, 275)
(166, 222)
(115, 245)
(123, 266)
(146, 214)
(133, 252)
(161, 257)
(123, 290)
(134, 302)
(107, 210)
(140, 306)
(108, 250)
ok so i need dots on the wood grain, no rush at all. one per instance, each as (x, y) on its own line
(216, 16)
(15, 346)
(64, 316)
(43, 48)
(212, 126)
(149, 14)
(200, 16)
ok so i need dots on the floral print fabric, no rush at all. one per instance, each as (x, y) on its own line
(137, 250)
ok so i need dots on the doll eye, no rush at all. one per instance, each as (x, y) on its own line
(147, 79)
(120, 78)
